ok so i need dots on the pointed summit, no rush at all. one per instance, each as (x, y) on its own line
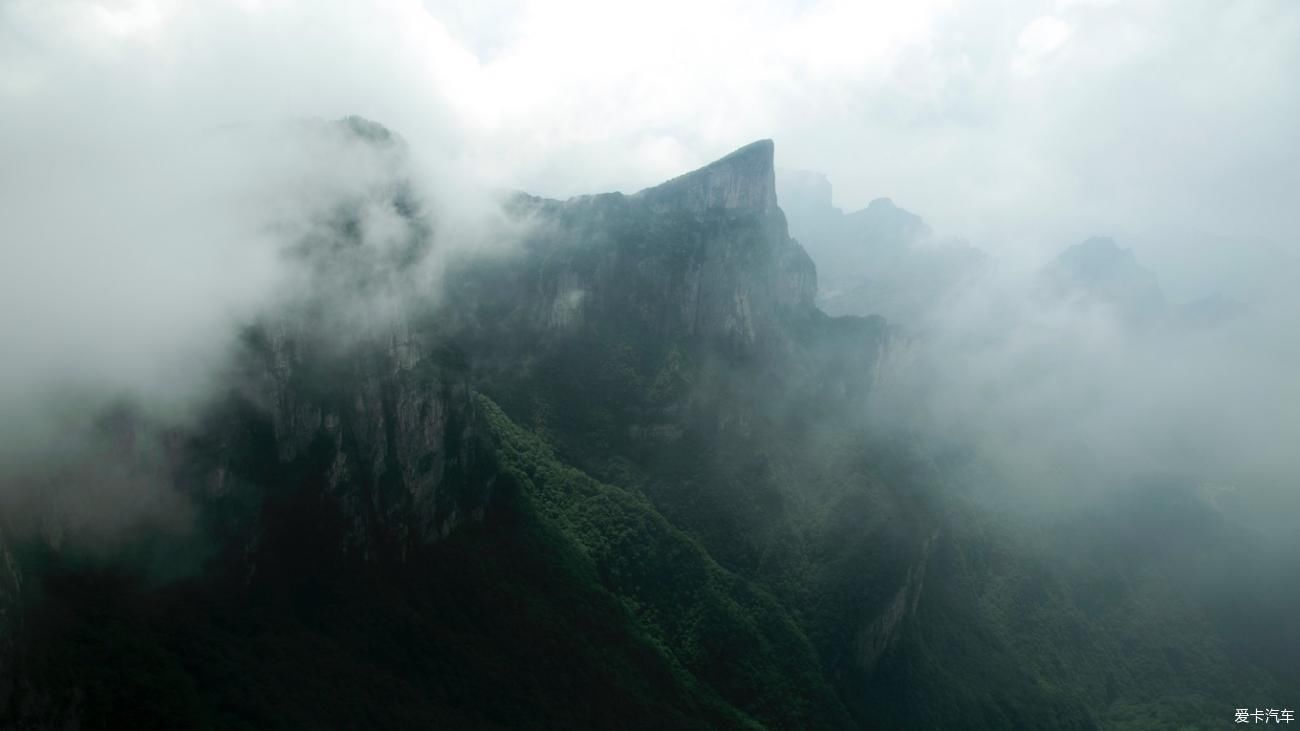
(743, 180)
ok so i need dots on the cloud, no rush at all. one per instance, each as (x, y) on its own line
(1024, 125)
(1039, 39)
(134, 231)
(153, 173)
(1074, 395)
(163, 184)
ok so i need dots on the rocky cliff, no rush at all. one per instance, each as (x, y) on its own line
(744, 180)
(706, 255)
(603, 445)
(387, 429)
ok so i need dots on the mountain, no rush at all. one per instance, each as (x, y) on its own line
(370, 520)
(880, 260)
(704, 256)
(1103, 273)
(618, 473)
(1097, 272)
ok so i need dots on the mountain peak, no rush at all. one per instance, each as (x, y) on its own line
(1100, 268)
(758, 153)
(1096, 258)
(744, 179)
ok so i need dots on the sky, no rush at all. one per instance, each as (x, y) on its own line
(1015, 123)
(1021, 125)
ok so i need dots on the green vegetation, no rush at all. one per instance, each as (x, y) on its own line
(663, 508)
(722, 629)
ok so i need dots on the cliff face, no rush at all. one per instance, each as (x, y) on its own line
(743, 180)
(362, 405)
(706, 255)
(386, 430)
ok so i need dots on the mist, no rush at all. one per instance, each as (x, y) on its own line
(161, 162)
(1022, 128)
(152, 208)
(158, 163)
(1046, 385)
(308, 418)
(1028, 379)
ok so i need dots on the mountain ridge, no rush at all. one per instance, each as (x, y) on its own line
(624, 473)
(743, 179)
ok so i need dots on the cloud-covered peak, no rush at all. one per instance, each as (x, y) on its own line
(1100, 270)
(744, 179)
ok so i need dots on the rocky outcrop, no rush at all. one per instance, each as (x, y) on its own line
(706, 255)
(387, 431)
(743, 180)
(363, 406)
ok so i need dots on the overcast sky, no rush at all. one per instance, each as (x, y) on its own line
(1011, 121)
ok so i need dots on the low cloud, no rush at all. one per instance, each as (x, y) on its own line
(1062, 392)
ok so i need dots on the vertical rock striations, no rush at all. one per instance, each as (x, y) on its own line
(704, 256)
(743, 180)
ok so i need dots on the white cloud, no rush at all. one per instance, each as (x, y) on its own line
(1039, 39)
(1138, 118)
(988, 118)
